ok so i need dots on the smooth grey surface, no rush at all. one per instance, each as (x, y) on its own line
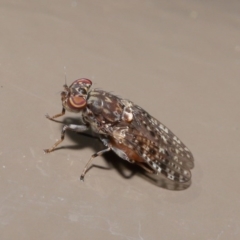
(179, 60)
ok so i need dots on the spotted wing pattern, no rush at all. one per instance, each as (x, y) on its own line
(160, 149)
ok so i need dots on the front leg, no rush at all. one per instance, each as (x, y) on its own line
(56, 116)
(73, 127)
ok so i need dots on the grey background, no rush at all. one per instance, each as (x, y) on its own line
(179, 60)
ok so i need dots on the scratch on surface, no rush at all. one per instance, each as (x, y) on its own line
(4, 199)
(113, 227)
(219, 235)
(30, 93)
(43, 172)
(139, 230)
(32, 152)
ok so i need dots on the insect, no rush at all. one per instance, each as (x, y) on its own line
(127, 129)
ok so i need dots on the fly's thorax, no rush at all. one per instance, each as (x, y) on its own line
(108, 107)
(105, 104)
(104, 110)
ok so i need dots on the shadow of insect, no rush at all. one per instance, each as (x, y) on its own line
(124, 168)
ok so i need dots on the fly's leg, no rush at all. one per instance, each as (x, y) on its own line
(90, 161)
(56, 116)
(73, 127)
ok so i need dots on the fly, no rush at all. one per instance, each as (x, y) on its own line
(127, 129)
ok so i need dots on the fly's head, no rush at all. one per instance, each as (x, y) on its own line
(74, 97)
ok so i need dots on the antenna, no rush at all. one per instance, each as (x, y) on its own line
(65, 73)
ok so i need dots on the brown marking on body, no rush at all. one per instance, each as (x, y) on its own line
(132, 155)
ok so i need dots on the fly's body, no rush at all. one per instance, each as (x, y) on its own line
(127, 129)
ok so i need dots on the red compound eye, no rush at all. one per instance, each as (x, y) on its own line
(82, 81)
(77, 102)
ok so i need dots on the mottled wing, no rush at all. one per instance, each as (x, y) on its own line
(161, 150)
